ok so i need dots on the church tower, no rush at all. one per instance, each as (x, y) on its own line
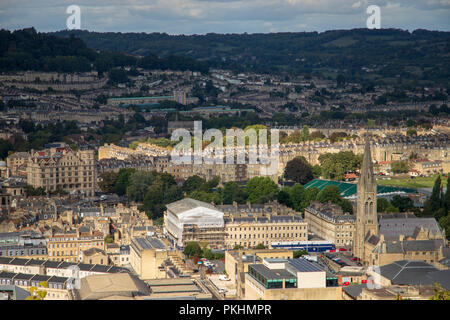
(366, 212)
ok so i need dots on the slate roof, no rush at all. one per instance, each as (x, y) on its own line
(422, 245)
(392, 228)
(354, 290)
(442, 277)
(406, 272)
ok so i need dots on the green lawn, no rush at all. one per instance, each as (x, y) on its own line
(418, 182)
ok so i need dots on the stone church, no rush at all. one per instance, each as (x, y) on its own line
(383, 239)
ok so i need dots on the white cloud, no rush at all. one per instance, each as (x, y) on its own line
(203, 16)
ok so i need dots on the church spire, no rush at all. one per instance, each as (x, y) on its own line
(366, 211)
(366, 177)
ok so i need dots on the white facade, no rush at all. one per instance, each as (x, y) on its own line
(190, 212)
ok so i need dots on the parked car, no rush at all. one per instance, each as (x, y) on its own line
(224, 278)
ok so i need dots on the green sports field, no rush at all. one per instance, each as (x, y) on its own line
(417, 182)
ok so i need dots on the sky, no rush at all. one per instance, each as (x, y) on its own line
(223, 16)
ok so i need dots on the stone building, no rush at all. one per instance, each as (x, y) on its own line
(147, 256)
(366, 212)
(59, 167)
(328, 221)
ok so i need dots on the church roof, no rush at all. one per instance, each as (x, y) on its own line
(406, 272)
(409, 227)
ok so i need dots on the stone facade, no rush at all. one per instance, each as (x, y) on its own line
(366, 212)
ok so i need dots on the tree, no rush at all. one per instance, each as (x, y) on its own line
(335, 165)
(298, 170)
(123, 181)
(404, 204)
(329, 194)
(261, 189)
(346, 205)
(284, 197)
(305, 134)
(30, 191)
(317, 135)
(233, 192)
(260, 246)
(238, 247)
(192, 248)
(440, 293)
(194, 183)
(299, 253)
(5, 147)
(446, 198)
(109, 239)
(206, 196)
(399, 167)
(433, 204)
(335, 136)
(383, 205)
(36, 294)
(213, 183)
(108, 181)
(297, 195)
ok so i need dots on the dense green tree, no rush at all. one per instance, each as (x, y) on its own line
(335, 165)
(206, 196)
(297, 197)
(383, 205)
(108, 181)
(261, 190)
(192, 248)
(298, 253)
(123, 181)
(399, 166)
(233, 192)
(404, 204)
(5, 148)
(329, 194)
(333, 194)
(284, 197)
(194, 183)
(433, 204)
(298, 170)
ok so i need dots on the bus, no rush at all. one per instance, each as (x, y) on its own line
(309, 246)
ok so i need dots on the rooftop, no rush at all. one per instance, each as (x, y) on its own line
(186, 204)
(302, 265)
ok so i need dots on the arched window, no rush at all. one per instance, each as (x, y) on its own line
(366, 208)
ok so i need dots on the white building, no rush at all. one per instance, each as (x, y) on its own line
(192, 220)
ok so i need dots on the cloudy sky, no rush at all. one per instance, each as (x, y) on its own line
(223, 16)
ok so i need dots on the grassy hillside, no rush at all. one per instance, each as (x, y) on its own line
(405, 58)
